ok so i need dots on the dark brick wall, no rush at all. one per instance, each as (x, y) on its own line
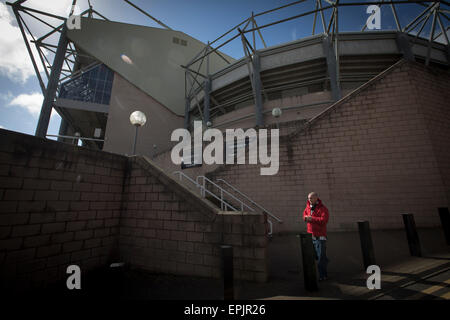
(165, 228)
(432, 92)
(62, 204)
(59, 205)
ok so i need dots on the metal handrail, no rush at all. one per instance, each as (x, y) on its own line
(202, 191)
(74, 137)
(270, 227)
(223, 203)
(242, 203)
(222, 190)
(181, 174)
(79, 72)
(252, 201)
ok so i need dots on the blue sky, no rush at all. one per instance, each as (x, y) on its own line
(20, 94)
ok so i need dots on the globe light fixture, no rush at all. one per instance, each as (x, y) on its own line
(276, 113)
(76, 139)
(137, 119)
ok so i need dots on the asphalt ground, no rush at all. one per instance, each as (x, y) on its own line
(402, 277)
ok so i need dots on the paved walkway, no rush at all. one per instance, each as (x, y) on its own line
(413, 279)
(402, 276)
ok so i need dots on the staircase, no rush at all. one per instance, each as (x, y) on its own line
(226, 196)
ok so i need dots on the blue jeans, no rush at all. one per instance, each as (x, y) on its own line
(320, 247)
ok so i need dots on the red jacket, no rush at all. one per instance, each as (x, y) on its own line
(318, 225)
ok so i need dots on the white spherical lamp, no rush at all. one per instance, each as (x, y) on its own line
(276, 112)
(138, 118)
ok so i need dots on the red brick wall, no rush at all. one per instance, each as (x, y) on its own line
(432, 91)
(165, 228)
(60, 205)
(380, 152)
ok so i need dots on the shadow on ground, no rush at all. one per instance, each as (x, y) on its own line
(346, 273)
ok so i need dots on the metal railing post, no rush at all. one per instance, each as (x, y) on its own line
(226, 192)
(270, 227)
(204, 187)
(250, 200)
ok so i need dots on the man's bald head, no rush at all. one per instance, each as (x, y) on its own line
(312, 197)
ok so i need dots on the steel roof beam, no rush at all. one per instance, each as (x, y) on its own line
(30, 53)
(148, 15)
(50, 93)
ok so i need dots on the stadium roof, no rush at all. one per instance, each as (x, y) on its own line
(150, 58)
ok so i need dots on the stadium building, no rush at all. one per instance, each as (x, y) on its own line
(175, 79)
(363, 118)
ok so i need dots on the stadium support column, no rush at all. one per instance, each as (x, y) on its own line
(403, 45)
(206, 100)
(50, 93)
(256, 63)
(332, 69)
(187, 107)
(62, 129)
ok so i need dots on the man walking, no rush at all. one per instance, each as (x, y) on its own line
(316, 215)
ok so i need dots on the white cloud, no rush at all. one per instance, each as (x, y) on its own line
(14, 60)
(30, 102)
(60, 7)
(2, 127)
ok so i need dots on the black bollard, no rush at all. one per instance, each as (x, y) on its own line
(366, 244)
(444, 214)
(412, 235)
(309, 264)
(116, 280)
(227, 272)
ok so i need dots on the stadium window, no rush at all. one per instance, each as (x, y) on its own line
(93, 85)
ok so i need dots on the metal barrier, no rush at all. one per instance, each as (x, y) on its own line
(222, 192)
(223, 204)
(264, 210)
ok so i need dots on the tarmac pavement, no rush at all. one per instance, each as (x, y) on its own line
(402, 277)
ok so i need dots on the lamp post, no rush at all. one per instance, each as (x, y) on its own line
(154, 151)
(75, 140)
(276, 113)
(137, 119)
